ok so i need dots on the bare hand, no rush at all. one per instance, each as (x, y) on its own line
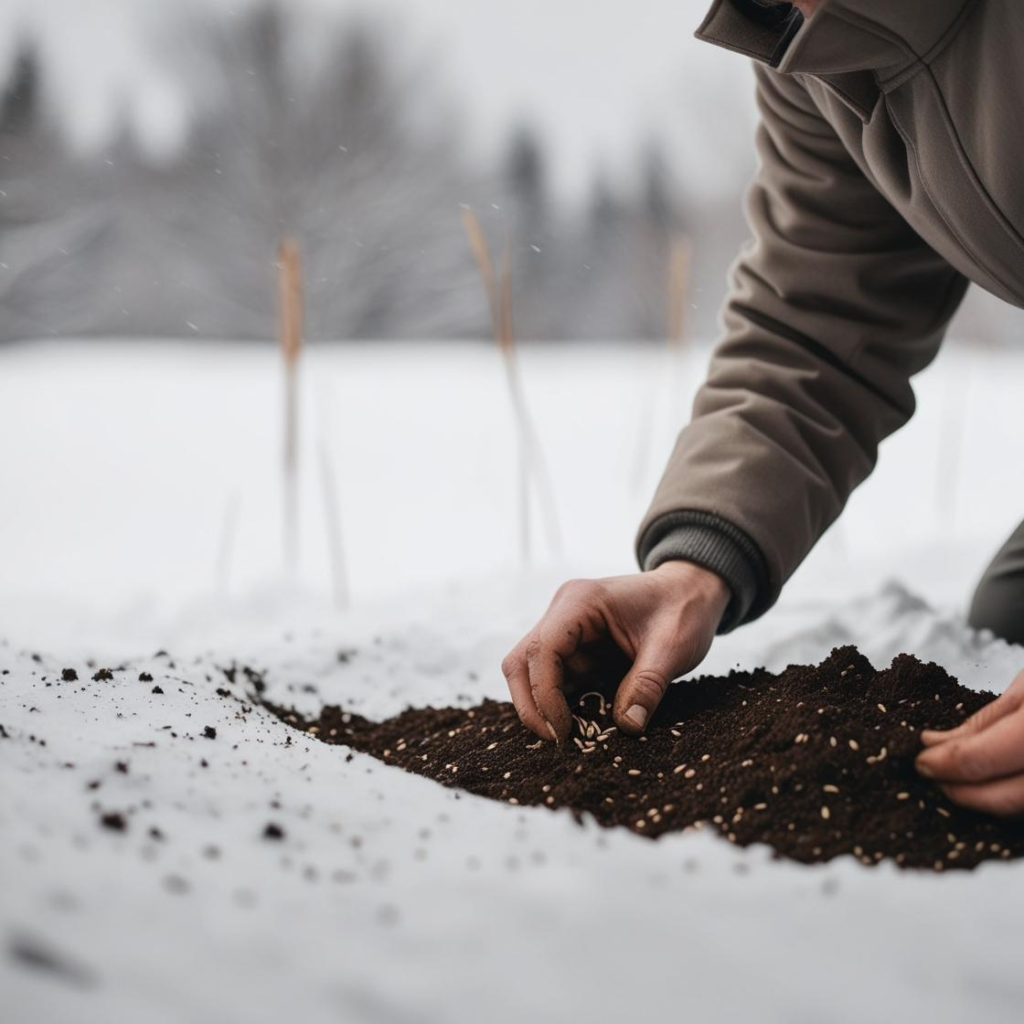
(649, 627)
(980, 764)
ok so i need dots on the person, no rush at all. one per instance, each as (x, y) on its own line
(889, 178)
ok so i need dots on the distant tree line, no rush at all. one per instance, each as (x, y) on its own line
(116, 243)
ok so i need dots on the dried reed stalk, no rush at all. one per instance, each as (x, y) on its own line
(532, 465)
(290, 296)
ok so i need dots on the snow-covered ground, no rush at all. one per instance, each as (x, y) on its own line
(140, 509)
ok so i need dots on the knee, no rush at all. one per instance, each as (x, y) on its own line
(998, 605)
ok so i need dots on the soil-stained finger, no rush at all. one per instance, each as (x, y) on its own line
(547, 681)
(517, 676)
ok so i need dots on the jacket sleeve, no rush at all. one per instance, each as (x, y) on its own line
(834, 304)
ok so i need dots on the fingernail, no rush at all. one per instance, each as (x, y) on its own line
(924, 770)
(637, 715)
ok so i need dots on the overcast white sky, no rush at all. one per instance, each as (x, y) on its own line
(597, 77)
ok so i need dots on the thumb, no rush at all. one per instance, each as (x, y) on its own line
(657, 663)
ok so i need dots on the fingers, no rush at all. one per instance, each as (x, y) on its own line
(993, 753)
(554, 645)
(663, 658)
(991, 713)
(1004, 797)
(517, 675)
(535, 670)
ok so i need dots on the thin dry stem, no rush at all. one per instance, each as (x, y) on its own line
(290, 294)
(532, 464)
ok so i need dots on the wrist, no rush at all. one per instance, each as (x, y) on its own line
(695, 581)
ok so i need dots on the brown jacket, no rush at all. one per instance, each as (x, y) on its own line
(891, 174)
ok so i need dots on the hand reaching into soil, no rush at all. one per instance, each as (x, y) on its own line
(643, 630)
(980, 764)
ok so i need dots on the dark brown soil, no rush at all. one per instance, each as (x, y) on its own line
(816, 762)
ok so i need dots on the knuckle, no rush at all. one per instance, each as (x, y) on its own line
(509, 663)
(649, 686)
(534, 648)
(580, 590)
(568, 589)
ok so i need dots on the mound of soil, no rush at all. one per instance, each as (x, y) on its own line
(816, 762)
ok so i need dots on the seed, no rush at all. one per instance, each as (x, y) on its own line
(535, 746)
(746, 764)
(545, 789)
(854, 745)
(830, 789)
(678, 768)
(706, 757)
(387, 753)
(641, 823)
(760, 807)
(882, 708)
(675, 732)
(507, 775)
(689, 773)
(492, 746)
(902, 796)
(633, 771)
(833, 741)
(513, 800)
(826, 813)
(943, 811)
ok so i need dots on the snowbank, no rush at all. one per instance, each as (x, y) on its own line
(389, 899)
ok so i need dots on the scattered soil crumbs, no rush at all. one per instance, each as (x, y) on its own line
(816, 762)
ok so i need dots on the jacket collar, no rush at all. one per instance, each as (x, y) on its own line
(842, 36)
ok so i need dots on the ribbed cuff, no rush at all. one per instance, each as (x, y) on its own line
(715, 544)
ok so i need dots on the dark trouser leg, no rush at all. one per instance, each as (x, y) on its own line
(999, 600)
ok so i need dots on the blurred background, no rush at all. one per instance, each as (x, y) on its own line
(154, 152)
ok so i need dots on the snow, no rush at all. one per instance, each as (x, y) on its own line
(391, 899)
